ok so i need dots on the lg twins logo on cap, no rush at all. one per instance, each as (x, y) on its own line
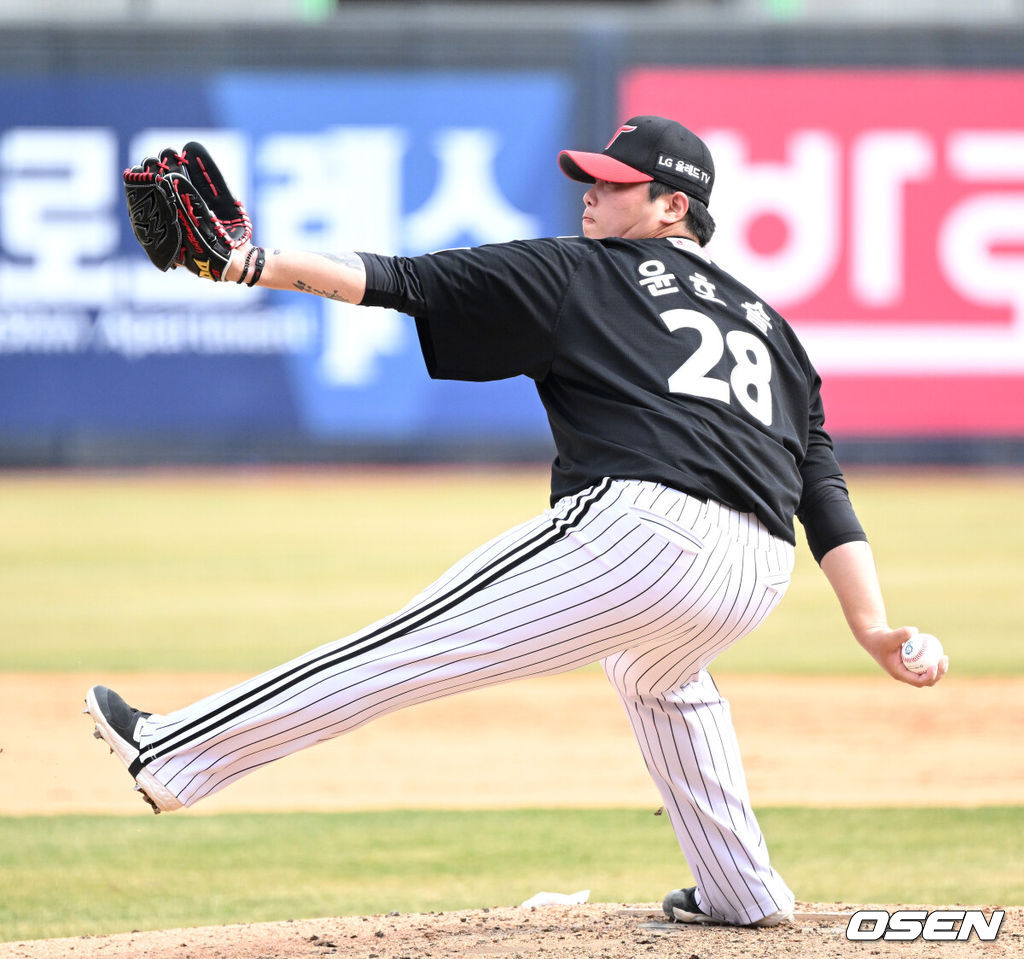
(683, 166)
(625, 128)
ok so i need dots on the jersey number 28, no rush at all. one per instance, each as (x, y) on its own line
(749, 378)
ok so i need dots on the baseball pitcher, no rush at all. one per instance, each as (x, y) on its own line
(690, 433)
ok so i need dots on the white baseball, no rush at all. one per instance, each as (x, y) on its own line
(921, 652)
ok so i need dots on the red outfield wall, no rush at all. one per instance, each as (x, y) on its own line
(882, 212)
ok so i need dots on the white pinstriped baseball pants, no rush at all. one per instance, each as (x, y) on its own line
(650, 582)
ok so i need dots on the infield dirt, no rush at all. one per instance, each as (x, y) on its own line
(551, 742)
(598, 931)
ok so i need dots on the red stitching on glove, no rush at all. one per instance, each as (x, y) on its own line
(207, 175)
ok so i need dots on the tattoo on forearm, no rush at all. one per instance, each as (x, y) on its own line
(350, 260)
(326, 294)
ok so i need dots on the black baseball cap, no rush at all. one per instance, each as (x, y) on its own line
(645, 149)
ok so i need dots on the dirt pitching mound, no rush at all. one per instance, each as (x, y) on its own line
(598, 931)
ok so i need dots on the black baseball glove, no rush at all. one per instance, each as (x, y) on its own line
(182, 212)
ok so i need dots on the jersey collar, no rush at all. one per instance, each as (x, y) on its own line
(688, 245)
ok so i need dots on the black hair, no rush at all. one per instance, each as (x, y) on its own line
(697, 220)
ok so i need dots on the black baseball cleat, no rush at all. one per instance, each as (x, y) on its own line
(117, 725)
(680, 905)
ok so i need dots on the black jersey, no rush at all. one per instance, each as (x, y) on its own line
(651, 362)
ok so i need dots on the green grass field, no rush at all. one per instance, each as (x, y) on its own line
(121, 873)
(242, 570)
(239, 570)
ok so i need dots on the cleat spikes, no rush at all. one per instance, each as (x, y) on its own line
(118, 725)
(145, 796)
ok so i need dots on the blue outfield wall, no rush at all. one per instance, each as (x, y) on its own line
(97, 348)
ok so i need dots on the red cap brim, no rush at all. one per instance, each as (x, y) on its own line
(588, 167)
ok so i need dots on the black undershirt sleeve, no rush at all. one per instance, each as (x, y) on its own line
(392, 282)
(828, 516)
(825, 509)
